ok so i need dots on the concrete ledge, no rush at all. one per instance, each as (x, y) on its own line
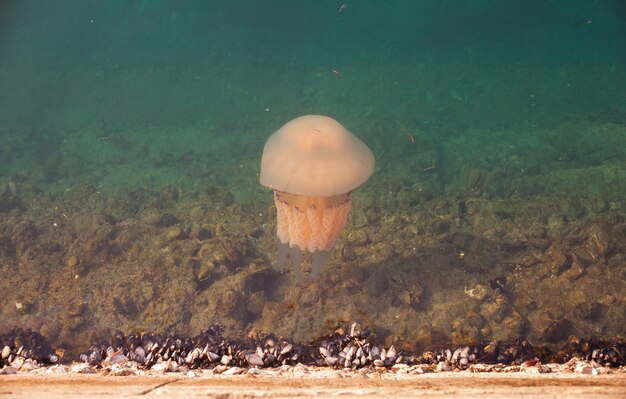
(317, 384)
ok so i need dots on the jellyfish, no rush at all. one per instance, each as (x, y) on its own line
(313, 164)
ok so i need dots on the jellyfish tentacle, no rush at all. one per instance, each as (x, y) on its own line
(289, 256)
(318, 260)
(282, 257)
(295, 254)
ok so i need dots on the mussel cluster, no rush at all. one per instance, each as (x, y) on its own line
(208, 349)
(353, 350)
(340, 349)
(604, 352)
(25, 344)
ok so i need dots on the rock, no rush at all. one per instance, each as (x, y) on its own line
(478, 292)
(29, 365)
(574, 272)
(8, 370)
(400, 368)
(485, 331)
(513, 324)
(408, 197)
(587, 310)
(220, 195)
(120, 370)
(300, 368)
(419, 369)
(72, 261)
(173, 233)
(556, 223)
(585, 368)
(163, 366)
(255, 303)
(18, 362)
(608, 300)
(358, 237)
(205, 274)
(125, 305)
(557, 261)
(489, 310)
(59, 369)
(167, 220)
(82, 368)
(233, 371)
(219, 369)
(544, 368)
(557, 331)
(599, 244)
(256, 371)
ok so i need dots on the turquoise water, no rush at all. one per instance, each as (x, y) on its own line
(130, 128)
(212, 77)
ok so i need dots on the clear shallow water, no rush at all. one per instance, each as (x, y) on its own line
(129, 128)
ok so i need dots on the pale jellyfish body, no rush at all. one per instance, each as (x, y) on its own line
(312, 163)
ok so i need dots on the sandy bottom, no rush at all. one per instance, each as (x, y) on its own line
(316, 384)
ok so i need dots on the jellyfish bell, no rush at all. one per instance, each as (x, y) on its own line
(313, 164)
